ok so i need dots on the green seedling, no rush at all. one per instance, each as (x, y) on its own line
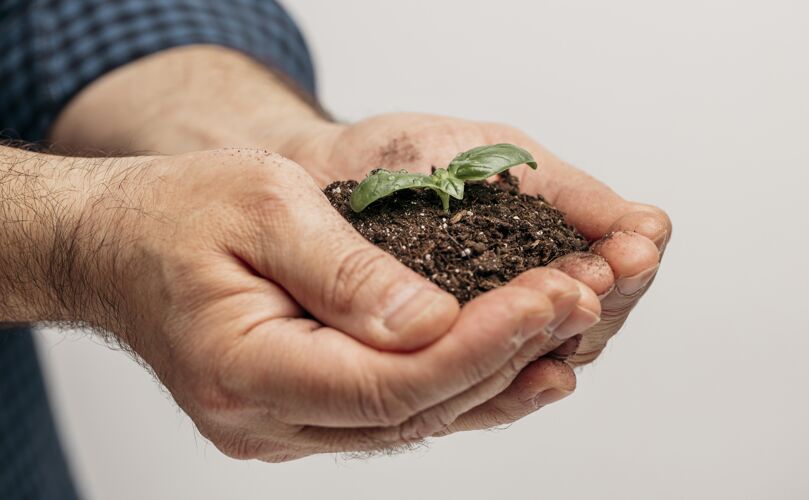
(474, 165)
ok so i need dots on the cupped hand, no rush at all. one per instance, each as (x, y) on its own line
(283, 333)
(628, 237)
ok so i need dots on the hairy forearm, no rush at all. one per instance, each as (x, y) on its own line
(187, 99)
(37, 212)
(52, 256)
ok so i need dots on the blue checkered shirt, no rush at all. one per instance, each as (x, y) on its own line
(49, 51)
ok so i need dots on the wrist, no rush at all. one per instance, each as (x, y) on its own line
(114, 212)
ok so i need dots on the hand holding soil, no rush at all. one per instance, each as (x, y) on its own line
(627, 239)
(358, 351)
(257, 305)
(493, 233)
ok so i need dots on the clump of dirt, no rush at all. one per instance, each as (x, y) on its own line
(488, 238)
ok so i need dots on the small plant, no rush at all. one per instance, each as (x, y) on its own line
(474, 165)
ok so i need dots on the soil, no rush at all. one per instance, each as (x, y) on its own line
(488, 238)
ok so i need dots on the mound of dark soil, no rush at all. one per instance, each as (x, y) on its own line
(488, 238)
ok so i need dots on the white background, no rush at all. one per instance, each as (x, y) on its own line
(700, 107)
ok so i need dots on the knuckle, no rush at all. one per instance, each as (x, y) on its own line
(659, 214)
(551, 273)
(544, 274)
(426, 424)
(503, 377)
(381, 405)
(224, 398)
(213, 400)
(503, 416)
(476, 371)
(269, 176)
(243, 447)
(354, 269)
(558, 281)
(514, 366)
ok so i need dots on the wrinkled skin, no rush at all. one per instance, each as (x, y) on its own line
(629, 237)
(235, 347)
(263, 312)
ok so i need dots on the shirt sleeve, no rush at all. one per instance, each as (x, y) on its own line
(51, 49)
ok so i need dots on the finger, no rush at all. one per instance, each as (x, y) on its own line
(317, 439)
(634, 260)
(648, 221)
(591, 269)
(491, 329)
(596, 210)
(596, 272)
(568, 348)
(590, 205)
(576, 308)
(302, 243)
(587, 310)
(541, 383)
(434, 419)
(567, 298)
(423, 424)
(306, 374)
(571, 301)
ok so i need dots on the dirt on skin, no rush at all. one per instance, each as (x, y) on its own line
(488, 238)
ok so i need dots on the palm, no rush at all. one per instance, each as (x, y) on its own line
(638, 233)
(399, 141)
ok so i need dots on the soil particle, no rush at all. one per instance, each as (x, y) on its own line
(488, 238)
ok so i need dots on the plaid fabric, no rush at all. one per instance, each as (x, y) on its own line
(49, 51)
(31, 462)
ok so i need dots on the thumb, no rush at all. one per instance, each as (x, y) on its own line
(342, 279)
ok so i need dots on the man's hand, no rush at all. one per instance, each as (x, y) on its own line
(206, 264)
(629, 237)
(126, 110)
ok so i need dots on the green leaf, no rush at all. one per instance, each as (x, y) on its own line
(485, 161)
(381, 183)
(448, 184)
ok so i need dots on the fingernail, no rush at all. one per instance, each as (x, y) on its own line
(578, 321)
(604, 295)
(408, 305)
(550, 396)
(661, 241)
(632, 284)
(562, 308)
